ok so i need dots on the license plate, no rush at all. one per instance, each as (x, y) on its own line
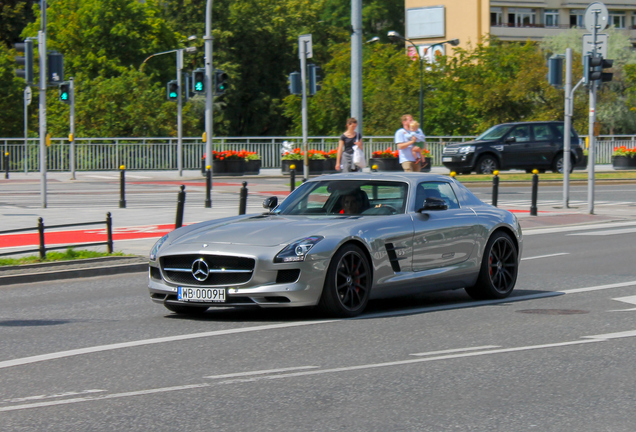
(216, 295)
(447, 159)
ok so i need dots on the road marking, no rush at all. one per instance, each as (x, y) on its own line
(58, 395)
(456, 350)
(595, 226)
(584, 340)
(179, 338)
(545, 256)
(261, 372)
(629, 299)
(606, 232)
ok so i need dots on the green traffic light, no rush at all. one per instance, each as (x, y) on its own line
(173, 95)
(64, 96)
(198, 86)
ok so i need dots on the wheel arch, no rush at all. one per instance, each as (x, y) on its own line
(497, 157)
(363, 247)
(510, 233)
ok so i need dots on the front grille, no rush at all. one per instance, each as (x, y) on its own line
(223, 270)
(450, 151)
(287, 276)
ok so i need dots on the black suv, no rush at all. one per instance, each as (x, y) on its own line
(526, 145)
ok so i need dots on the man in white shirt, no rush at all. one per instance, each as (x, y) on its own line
(404, 144)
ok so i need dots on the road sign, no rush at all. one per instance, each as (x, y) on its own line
(601, 44)
(27, 95)
(596, 8)
(305, 41)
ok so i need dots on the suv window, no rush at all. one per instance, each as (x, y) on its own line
(494, 133)
(559, 128)
(521, 133)
(542, 132)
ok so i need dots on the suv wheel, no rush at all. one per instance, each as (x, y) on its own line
(557, 166)
(487, 164)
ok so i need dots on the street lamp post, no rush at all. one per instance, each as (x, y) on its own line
(394, 36)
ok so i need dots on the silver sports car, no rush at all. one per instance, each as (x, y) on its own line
(338, 241)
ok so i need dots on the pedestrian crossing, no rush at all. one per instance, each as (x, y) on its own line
(558, 203)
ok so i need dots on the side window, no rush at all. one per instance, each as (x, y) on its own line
(435, 190)
(521, 133)
(542, 132)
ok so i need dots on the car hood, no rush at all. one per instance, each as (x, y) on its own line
(263, 230)
(465, 143)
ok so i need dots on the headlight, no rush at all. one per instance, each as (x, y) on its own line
(155, 248)
(297, 250)
(467, 149)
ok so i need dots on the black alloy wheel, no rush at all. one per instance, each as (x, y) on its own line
(498, 273)
(348, 283)
(487, 164)
(559, 162)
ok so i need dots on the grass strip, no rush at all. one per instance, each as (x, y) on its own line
(68, 255)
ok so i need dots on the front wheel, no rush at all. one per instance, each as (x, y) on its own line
(487, 164)
(348, 283)
(498, 273)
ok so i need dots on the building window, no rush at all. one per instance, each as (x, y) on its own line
(518, 17)
(634, 20)
(617, 19)
(577, 18)
(496, 16)
(551, 18)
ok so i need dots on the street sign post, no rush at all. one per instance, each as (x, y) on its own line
(589, 44)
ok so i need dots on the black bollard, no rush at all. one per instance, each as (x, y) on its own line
(292, 179)
(243, 199)
(6, 165)
(535, 190)
(181, 197)
(495, 188)
(122, 187)
(41, 237)
(109, 232)
(208, 187)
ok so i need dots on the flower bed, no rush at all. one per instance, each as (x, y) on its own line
(624, 158)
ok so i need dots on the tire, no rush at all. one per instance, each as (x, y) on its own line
(348, 283)
(499, 268)
(185, 310)
(487, 164)
(557, 165)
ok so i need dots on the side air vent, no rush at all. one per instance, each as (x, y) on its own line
(393, 259)
(287, 276)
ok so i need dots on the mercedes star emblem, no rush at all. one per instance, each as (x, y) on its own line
(200, 270)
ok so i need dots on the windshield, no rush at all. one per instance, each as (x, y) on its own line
(494, 133)
(346, 197)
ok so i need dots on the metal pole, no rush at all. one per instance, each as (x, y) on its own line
(208, 187)
(303, 79)
(566, 128)
(26, 126)
(72, 122)
(43, 57)
(41, 237)
(535, 191)
(592, 119)
(292, 179)
(495, 188)
(179, 116)
(122, 187)
(209, 94)
(421, 89)
(356, 62)
(109, 232)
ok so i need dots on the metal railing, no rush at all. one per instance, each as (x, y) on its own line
(108, 154)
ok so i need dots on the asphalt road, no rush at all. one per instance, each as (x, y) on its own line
(97, 354)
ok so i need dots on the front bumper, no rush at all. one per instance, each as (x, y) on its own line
(459, 162)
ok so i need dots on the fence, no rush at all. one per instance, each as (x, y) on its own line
(108, 154)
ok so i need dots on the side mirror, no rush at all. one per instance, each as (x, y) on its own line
(434, 204)
(510, 139)
(270, 203)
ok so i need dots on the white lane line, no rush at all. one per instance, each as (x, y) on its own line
(450, 351)
(605, 232)
(545, 256)
(608, 336)
(586, 340)
(58, 395)
(261, 372)
(629, 299)
(89, 350)
(596, 226)
(100, 348)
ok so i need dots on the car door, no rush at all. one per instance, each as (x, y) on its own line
(517, 147)
(544, 145)
(441, 238)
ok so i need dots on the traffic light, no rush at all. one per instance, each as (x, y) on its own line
(65, 92)
(173, 90)
(220, 82)
(26, 60)
(55, 68)
(593, 69)
(198, 80)
(294, 83)
(314, 77)
(555, 71)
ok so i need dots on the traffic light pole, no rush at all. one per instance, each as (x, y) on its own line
(209, 95)
(27, 101)
(592, 118)
(43, 66)
(179, 112)
(566, 128)
(303, 80)
(72, 127)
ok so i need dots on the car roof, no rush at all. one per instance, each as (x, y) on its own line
(412, 178)
(531, 122)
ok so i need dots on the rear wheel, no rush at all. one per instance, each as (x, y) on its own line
(487, 164)
(498, 273)
(185, 310)
(348, 283)
(558, 164)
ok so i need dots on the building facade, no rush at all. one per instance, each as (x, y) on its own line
(429, 22)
